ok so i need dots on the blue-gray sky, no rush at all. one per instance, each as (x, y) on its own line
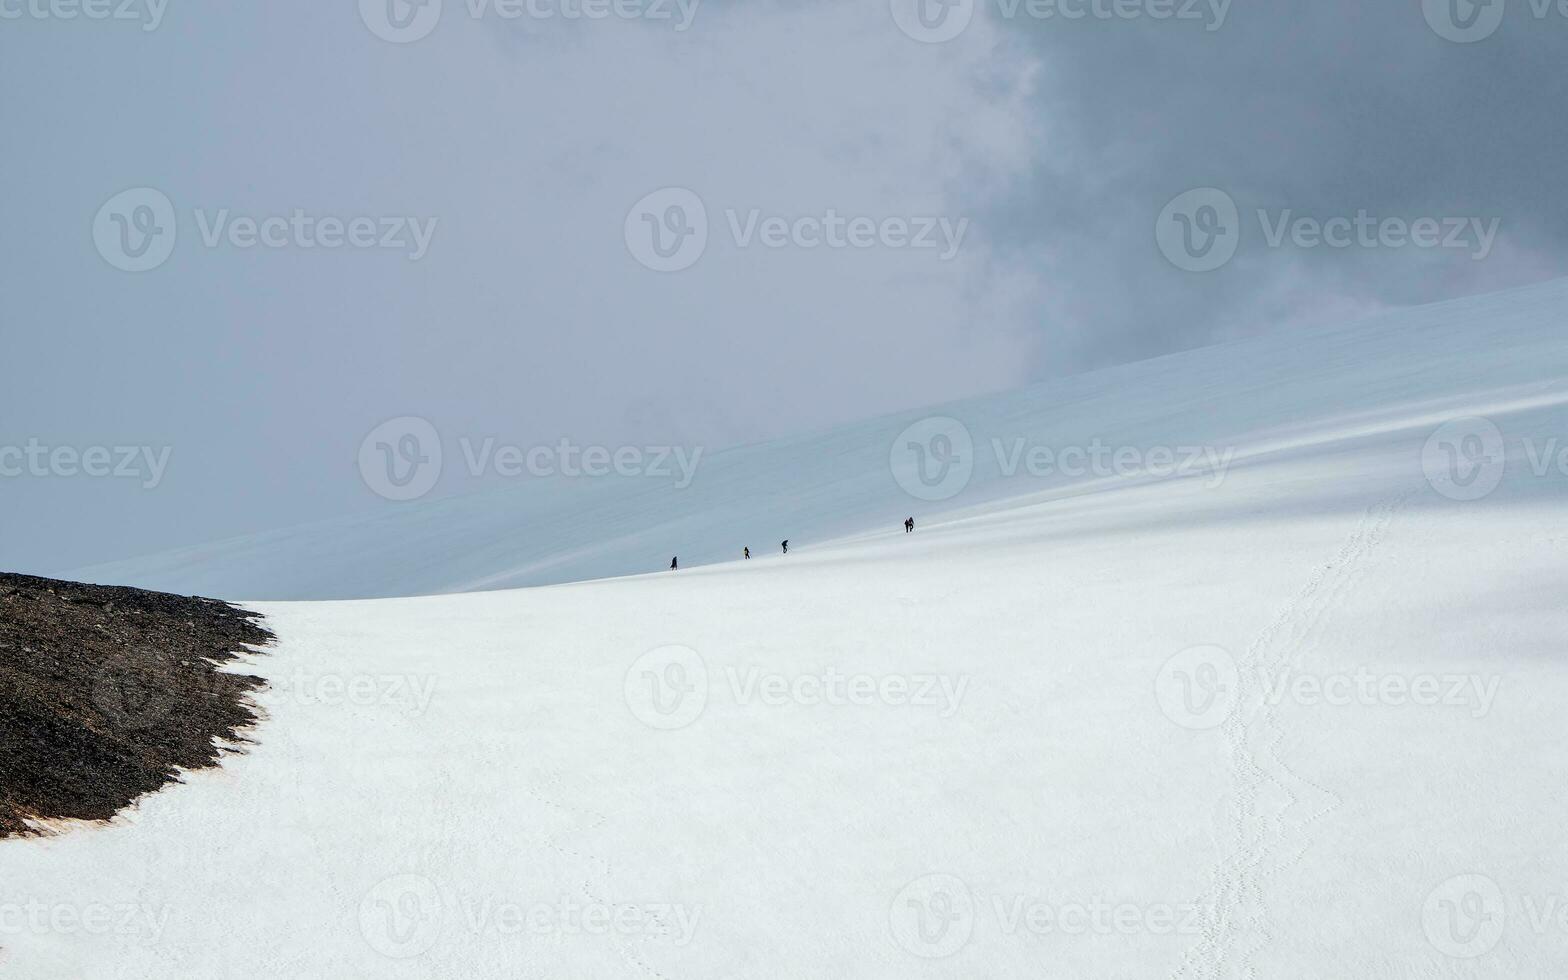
(1039, 147)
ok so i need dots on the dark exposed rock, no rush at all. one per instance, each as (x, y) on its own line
(106, 693)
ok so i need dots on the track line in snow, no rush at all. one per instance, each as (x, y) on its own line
(1238, 925)
(591, 820)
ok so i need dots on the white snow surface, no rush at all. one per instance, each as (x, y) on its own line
(1302, 721)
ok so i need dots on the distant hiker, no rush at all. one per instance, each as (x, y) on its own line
(747, 553)
(909, 524)
(785, 545)
(675, 562)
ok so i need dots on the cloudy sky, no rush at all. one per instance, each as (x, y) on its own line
(239, 237)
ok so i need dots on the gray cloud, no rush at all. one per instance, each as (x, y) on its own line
(1321, 108)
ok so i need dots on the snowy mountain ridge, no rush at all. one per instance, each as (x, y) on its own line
(1200, 411)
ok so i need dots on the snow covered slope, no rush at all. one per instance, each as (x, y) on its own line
(1303, 721)
(1257, 399)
